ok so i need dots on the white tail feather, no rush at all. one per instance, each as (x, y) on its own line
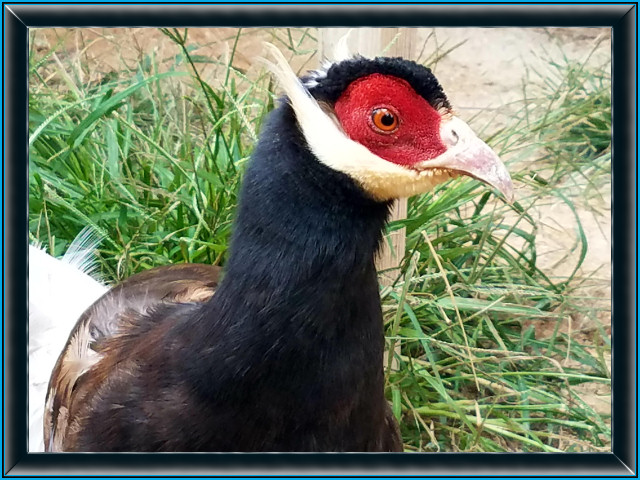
(59, 291)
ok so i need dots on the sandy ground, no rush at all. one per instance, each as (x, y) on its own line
(486, 74)
(483, 76)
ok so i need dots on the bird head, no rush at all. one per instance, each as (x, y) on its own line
(387, 124)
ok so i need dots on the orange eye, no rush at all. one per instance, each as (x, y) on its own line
(384, 119)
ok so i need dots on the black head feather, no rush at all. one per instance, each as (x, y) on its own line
(330, 84)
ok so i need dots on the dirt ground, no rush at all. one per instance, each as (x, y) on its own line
(484, 75)
(496, 62)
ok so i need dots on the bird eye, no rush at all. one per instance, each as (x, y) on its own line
(384, 119)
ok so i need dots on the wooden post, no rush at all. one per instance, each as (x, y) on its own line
(371, 42)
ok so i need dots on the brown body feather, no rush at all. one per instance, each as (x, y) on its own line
(102, 347)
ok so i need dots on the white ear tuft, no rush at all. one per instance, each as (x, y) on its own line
(341, 50)
(287, 78)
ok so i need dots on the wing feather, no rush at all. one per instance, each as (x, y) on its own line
(105, 327)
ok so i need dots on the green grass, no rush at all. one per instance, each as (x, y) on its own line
(152, 154)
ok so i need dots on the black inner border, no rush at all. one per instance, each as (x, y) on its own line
(18, 18)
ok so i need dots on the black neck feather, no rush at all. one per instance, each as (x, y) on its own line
(299, 304)
(304, 234)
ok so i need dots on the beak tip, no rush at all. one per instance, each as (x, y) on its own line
(506, 189)
(510, 197)
(507, 192)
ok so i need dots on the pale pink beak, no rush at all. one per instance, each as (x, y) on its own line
(469, 155)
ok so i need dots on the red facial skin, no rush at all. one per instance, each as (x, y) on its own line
(417, 137)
